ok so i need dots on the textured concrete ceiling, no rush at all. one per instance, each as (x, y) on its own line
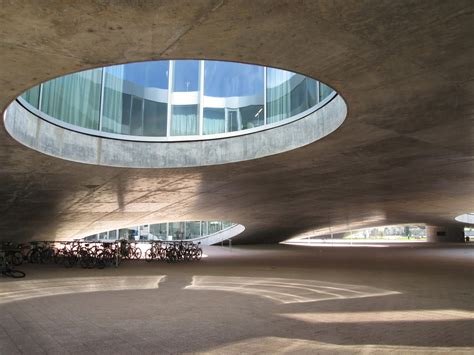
(404, 154)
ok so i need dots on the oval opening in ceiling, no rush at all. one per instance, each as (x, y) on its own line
(167, 113)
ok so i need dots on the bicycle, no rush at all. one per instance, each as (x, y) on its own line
(7, 270)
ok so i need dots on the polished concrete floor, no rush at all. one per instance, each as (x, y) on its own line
(258, 299)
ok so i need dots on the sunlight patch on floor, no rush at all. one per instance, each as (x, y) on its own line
(383, 316)
(274, 345)
(26, 289)
(285, 290)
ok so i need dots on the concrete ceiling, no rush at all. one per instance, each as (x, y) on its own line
(404, 154)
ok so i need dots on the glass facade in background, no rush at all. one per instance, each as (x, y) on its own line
(159, 230)
(165, 231)
(177, 98)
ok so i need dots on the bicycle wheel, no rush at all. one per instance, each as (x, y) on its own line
(16, 274)
(17, 258)
(149, 255)
(137, 254)
(47, 256)
(70, 260)
(34, 256)
(198, 254)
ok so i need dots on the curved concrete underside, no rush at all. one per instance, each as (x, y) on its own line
(45, 137)
(404, 154)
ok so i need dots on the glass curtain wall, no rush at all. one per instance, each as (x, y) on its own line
(165, 231)
(74, 98)
(177, 98)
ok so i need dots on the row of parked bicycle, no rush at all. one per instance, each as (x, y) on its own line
(97, 254)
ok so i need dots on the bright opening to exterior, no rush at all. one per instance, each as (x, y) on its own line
(176, 99)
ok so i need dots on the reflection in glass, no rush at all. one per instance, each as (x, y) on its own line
(32, 96)
(159, 231)
(103, 236)
(288, 94)
(233, 96)
(177, 98)
(164, 231)
(204, 229)
(324, 91)
(136, 99)
(113, 234)
(123, 233)
(186, 76)
(214, 227)
(176, 230)
(185, 111)
(192, 230)
(185, 120)
(214, 120)
(227, 79)
(74, 98)
(226, 224)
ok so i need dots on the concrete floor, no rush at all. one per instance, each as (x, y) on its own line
(260, 299)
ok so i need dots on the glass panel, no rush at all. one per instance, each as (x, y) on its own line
(186, 75)
(204, 230)
(103, 236)
(74, 98)
(136, 99)
(185, 120)
(147, 74)
(112, 235)
(251, 116)
(133, 233)
(288, 94)
(177, 230)
(158, 231)
(234, 121)
(154, 121)
(237, 88)
(303, 95)
(124, 233)
(144, 231)
(324, 91)
(214, 120)
(214, 227)
(192, 230)
(32, 96)
(136, 117)
(226, 224)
